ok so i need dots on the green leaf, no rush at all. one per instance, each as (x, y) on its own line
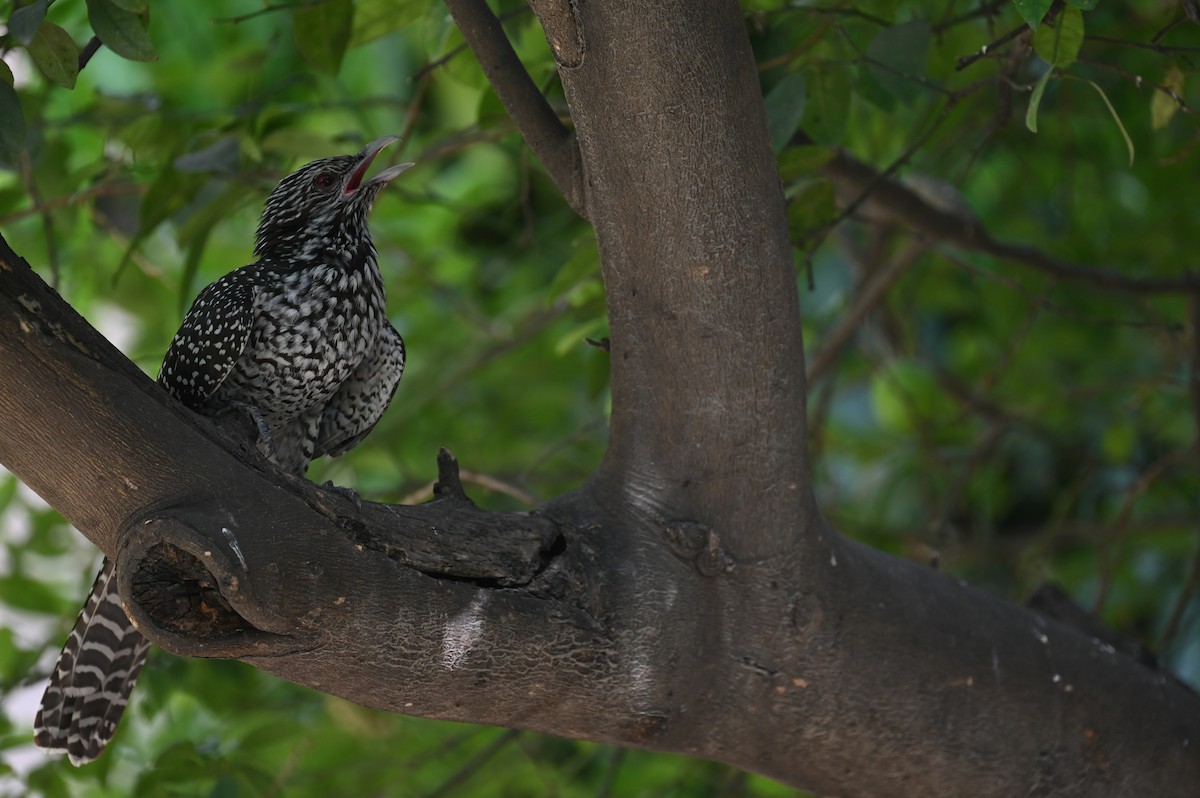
(1059, 45)
(24, 21)
(322, 32)
(583, 265)
(897, 58)
(785, 109)
(810, 209)
(1084, 5)
(23, 593)
(907, 396)
(1163, 106)
(796, 162)
(1033, 11)
(123, 32)
(12, 125)
(827, 109)
(133, 6)
(1035, 100)
(1118, 442)
(56, 54)
(1116, 118)
(574, 337)
(376, 18)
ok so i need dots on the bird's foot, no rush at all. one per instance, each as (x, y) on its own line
(349, 493)
(266, 442)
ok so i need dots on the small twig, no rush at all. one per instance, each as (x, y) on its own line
(448, 484)
(1192, 583)
(985, 10)
(1141, 82)
(412, 111)
(612, 768)
(454, 52)
(1119, 527)
(486, 481)
(1162, 49)
(869, 188)
(89, 50)
(960, 477)
(31, 187)
(581, 434)
(874, 293)
(472, 766)
(846, 12)
(1050, 306)
(67, 200)
(1185, 152)
(920, 80)
(267, 9)
(908, 208)
(965, 61)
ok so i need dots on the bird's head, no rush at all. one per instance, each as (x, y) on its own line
(324, 205)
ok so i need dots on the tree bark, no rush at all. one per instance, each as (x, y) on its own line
(689, 597)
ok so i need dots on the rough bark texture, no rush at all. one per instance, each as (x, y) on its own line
(689, 597)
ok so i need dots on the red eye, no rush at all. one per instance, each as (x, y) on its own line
(325, 181)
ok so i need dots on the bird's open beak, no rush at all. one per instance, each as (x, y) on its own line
(355, 181)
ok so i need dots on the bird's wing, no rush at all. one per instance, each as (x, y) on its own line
(360, 401)
(211, 339)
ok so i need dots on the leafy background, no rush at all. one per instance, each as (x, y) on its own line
(1014, 426)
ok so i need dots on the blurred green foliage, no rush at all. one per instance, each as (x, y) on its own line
(1015, 426)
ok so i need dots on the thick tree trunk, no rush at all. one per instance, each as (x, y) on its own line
(689, 597)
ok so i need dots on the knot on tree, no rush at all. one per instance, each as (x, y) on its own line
(186, 589)
(181, 596)
(450, 537)
(449, 484)
(698, 544)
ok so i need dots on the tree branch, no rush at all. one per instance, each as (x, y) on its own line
(222, 555)
(552, 143)
(689, 597)
(894, 200)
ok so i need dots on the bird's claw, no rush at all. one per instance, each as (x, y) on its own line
(266, 442)
(349, 493)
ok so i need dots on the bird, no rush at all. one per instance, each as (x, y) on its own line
(300, 340)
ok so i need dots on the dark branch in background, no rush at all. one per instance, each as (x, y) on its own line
(1192, 582)
(1140, 82)
(985, 10)
(1161, 49)
(866, 190)
(551, 141)
(472, 766)
(454, 52)
(894, 200)
(88, 51)
(874, 293)
(965, 61)
(35, 194)
(267, 9)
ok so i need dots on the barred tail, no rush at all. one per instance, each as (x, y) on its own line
(93, 678)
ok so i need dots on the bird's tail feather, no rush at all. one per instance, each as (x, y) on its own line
(93, 678)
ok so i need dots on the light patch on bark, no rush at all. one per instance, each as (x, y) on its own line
(233, 544)
(463, 632)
